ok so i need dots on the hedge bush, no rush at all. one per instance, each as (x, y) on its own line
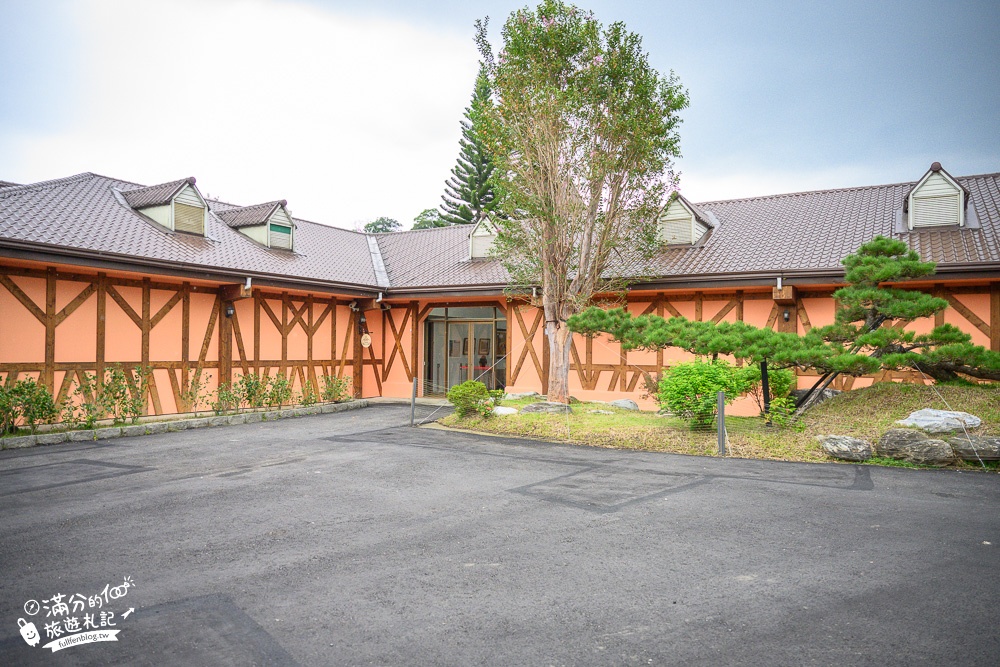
(471, 397)
(780, 382)
(690, 389)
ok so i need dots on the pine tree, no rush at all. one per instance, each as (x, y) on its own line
(468, 196)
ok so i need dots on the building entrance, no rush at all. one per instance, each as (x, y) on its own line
(463, 344)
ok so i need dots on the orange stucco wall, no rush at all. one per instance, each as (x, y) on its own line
(303, 345)
(306, 335)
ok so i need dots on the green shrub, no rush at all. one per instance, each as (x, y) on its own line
(336, 389)
(279, 391)
(8, 409)
(84, 405)
(471, 397)
(225, 400)
(308, 396)
(497, 396)
(116, 397)
(783, 412)
(689, 390)
(250, 391)
(191, 397)
(27, 401)
(780, 382)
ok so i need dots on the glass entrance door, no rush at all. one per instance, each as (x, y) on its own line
(470, 353)
(458, 350)
(458, 353)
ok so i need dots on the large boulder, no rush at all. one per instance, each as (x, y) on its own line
(976, 447)
(625, 404)
(913, 446)
(845, 447)
(940, 421)
(546, 406)
(798, 394)
(514, 397)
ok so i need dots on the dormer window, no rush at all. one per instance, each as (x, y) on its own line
(177, 206)
(481, 239)
(280, 236)
(937, 200)
(268, 224)
(682, 223)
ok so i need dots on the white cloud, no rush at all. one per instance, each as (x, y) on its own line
(347, 118)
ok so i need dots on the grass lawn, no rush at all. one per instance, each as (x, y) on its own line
(862, 413)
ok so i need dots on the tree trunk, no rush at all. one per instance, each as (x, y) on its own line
(560, 340)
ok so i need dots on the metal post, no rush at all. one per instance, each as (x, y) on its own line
(413, 402)
(765, 389)
(721, 422)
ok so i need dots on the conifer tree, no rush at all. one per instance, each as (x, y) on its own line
(468, 195)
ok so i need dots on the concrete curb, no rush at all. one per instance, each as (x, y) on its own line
(153, 428)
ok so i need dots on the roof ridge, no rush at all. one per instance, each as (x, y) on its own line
(211, 200)
(177, 181)
(426, 229)
(27, 187)
(264, 203)
(831, 190)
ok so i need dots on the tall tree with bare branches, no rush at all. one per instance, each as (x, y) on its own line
(582, 131)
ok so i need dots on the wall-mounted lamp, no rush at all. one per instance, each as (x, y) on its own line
(362, 324)
(786, 316)
(230, 310)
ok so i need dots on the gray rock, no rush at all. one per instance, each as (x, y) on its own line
(133, 430)
(600, 412)
(913, 446)
(51, 438)
(309, 410)
(271, 415)
(501, 410)
(976, 447)
(179, 425)
(545, 406)
(154, 428)
(18, 442)
(82, 436)
(940, 421)
(328, 408)
(625, 404)
(253, 418)
(199, 423)
(221, 420)
(845, 447)
(514, 397)
(798, 394)
(107, 433)
(285, 414)
(235, 420)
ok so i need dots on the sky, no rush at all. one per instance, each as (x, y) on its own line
(350, 111)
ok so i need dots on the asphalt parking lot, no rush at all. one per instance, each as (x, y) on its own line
(352, 539)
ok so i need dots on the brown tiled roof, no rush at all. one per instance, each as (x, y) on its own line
(84, 215)
(248, 216)
(789, 234)
(155, 195)
(813, 231)
(436, 257)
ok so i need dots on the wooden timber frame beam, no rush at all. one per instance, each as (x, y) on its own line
(358, 324)
(227, 295)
